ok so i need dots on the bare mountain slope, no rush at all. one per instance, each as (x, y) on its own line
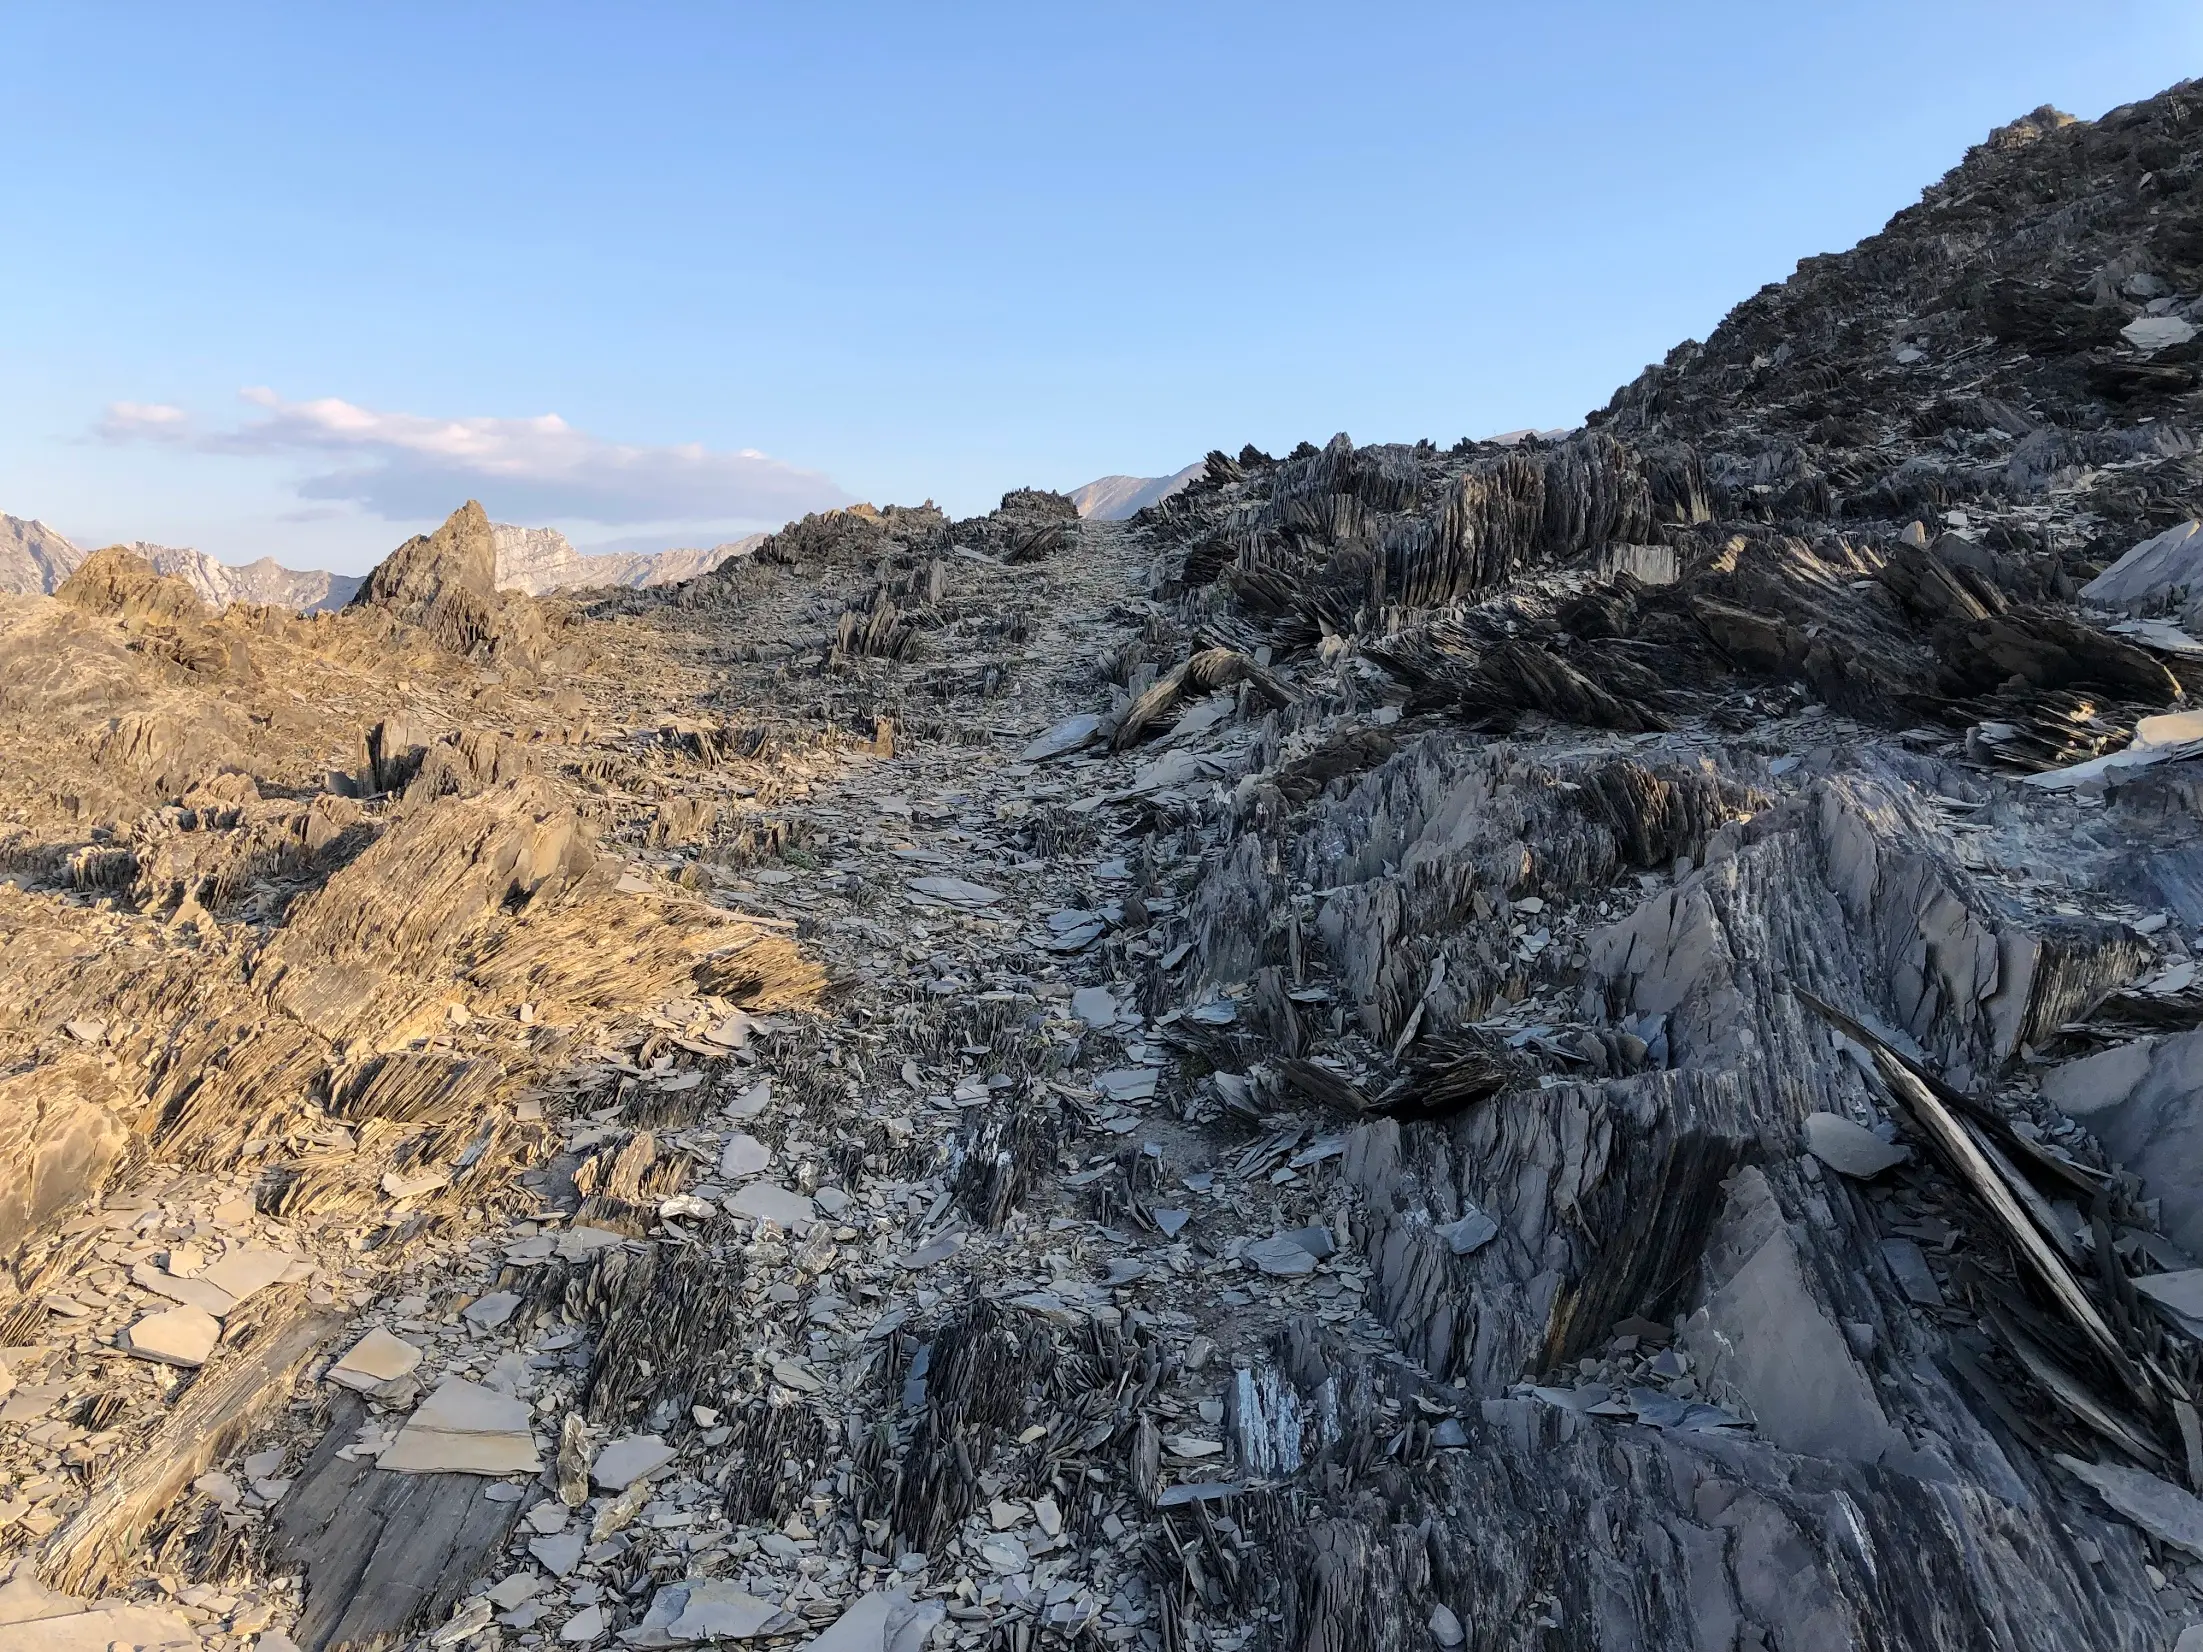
(1585, 1042)
(1113, 498)
(541, 560)
(34, 559)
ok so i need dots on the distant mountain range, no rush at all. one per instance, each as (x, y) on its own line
(1114, 498)
(537, 560)
(34, 560)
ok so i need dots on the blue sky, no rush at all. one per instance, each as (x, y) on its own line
(292, 280)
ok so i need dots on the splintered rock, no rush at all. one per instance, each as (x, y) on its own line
(464, 1428)
(623, 1462)
(1849, 1148)
(377, 1358)
(176, 1336)
(2157, 1506)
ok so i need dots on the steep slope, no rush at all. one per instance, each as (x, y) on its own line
(1114, 498)
(2031, 327)
(34, 560)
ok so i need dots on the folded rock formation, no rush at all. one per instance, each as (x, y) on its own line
(1584, 1041)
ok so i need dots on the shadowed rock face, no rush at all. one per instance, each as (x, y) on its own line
(445, 584)
(1579, 1042)
(459, 557)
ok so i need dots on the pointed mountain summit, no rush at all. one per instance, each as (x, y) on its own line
(459, 556)
(446, 584)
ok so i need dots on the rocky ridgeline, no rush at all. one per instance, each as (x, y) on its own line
(35, 560)
(1583, 1041)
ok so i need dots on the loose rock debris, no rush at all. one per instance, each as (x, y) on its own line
(1580, 1043)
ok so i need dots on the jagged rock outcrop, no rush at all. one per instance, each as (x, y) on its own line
(445, 584)
(1588, 1041)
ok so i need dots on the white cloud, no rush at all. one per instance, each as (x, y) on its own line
(406, 466)
(143, 421)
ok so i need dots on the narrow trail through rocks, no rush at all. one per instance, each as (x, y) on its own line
(1589, 1042)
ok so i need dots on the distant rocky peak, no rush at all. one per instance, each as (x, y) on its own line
(34, 559)
(459, 556)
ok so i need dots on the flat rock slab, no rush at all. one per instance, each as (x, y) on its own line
(98, 1628)
(743, 1155)
(190, 1290)
(1281, 1255)
(2180, 1294)
(491, 1311)
(934, 1250)
(1095, 1006)
(886, 1620)
(377, 1358)
(1850, 1148)
(2159, 1507)
(247, 1271)
(2157, 332)
(2159, 572)
(769, 1202)
(1127, 1084)
(464, 1428)
(955, 891)
(176, 1336)
(623, 1462)
(559, 1553)
(702, 1609)
(577, 1244)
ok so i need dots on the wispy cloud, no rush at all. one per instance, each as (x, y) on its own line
(130, 421)
(406, 466)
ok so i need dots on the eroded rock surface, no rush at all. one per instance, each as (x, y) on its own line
(1493, 1047)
